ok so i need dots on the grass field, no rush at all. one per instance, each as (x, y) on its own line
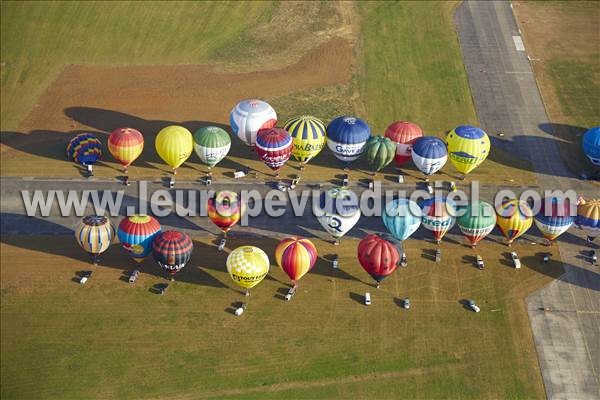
(562, 38)
(111, 339)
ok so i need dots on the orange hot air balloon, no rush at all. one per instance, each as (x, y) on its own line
(126, 145)
(295, 256)
(225, 209)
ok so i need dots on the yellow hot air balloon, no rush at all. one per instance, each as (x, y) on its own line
(247, 266)
(174, 144)
(514, 218)
(308, 137)
(468, 147)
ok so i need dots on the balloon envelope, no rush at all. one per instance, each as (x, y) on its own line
(588, 217)
(468, 147)
(274, 147)
(136, 234)
(174, 145)
(402, 218)
(172, 250)
(380, 152)
(404, 134)
(211, 144)
(477, 222)
(554, 217)
(247, 266)
(295, 256)
(338, 211)
(438, 216)
(225, 209)
(514, 218)
(347, 137)
(94, 234)
(429, 154)
(84, 149)
(250, 116)
(125, 145)
(308, 137)
(591, 145)
(378, 256)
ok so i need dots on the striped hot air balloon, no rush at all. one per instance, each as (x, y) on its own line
(338, 211)
(172, 250)
(94, 234)
(468, 147)
(248, 266)
(250, 116)
(136, 234)
(274, 147)
(225, 209)
(174, 145)
(514, 218)
(380, 152)
(347, 137)
(211, 144)
(588, 217)
(378, 257)
(404, 134)
(295, 256)
(126, 145)
(308, 137)
(429, 154)
(402, 218)
(477, 222)
(84, 149)
(438, 216)
(554, 217)
(591, 145)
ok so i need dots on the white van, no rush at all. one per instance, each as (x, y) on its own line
(367, 299)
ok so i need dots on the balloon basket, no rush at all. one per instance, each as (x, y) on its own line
(247, 293)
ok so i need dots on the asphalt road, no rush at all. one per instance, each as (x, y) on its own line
(565, 316)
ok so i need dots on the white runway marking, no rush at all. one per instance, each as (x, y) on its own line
(519, 43)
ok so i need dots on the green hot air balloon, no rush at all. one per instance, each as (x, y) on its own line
(380, 152)
(211, 144)
(477, 222)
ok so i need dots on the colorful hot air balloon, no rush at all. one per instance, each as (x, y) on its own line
(588, 217)
(136, 234)
(380, 152)
(174, 145)
(402, 218)
(514, 218)
(429, 154)
(438, 216)
(554, 217)
(404, 134)
(347, 137)
(94, 234)
(477, 222)
(295, 256)
(338, 211)
(468, 147)
(308, 137)
(84, 149)
(274, 147)
(126, 145)
(248, 266)
(378, 256)
(211, 144)
(591, 145)
(225, 209)
(172, 250)
(250, 116)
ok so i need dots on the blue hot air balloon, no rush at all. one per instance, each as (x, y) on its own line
(554, 217)
(429, 154)
(347, 137)
(401, 217)
(591, 145)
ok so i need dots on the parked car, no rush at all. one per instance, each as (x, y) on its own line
(222, 244)
(240, 310)
(406, 303)
(471, 304)
(400, 178)
(290, 293)
(515, 259)
(163, 288)
(367, 299)
(345, 180)
(479, 262)
(452, 186)
(134, 275)
(239, 174)
(593, 257)
(85, 275)
(546, 258)
(334, 261)
(281, 186)
(438, 255)
(429, 189)
(403, 261)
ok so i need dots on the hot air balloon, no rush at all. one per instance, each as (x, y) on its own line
(250, 116)
(211, 144)
(477, 222)
(429, 154)
(94, 234)
(378, 256)
(136, 234)
(554, 218)
(347, 137)
(591, 145)
(380, 152)
(514, 218)
(225, 209)
(247, 266)
(338, 211)
(308, 137)
(274, 147)
(588, 217)
(404, 134)
(174, 145)
(438, 216)
(402, 218)
(295, 256)
(172, 250)
(84, 149)
(468, 147)
(126, 145)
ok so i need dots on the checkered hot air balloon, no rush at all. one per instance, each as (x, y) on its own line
(94, 234)
(250, 116)
(225, 209)
(477, 222)
(84, 149)
(514, 218)
(295, 256)
(404, 134)
(379, 257)
(554, 217)
(126, 145)
(136, 234)
(308, 137)
(247, 266)
(274, 147)
(172, 250)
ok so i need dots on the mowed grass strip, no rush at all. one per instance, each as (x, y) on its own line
(112, 339)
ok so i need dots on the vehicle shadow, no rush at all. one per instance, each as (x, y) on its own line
(359, 298)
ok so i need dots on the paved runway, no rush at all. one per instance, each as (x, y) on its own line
(507, 100)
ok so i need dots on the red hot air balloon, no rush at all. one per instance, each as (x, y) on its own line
(274, 147)
(378, 257)
(225, 209)
(125, 144)
(172, 250)
(404, 134)
(296, 257)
